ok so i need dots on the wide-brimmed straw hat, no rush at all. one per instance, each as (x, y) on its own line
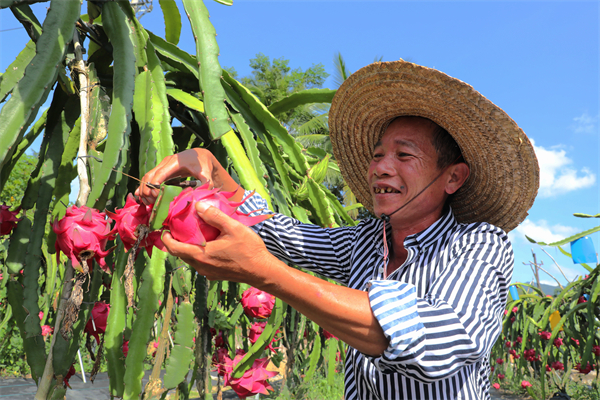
(504, 176)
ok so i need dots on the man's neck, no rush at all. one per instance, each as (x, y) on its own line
(400, 232)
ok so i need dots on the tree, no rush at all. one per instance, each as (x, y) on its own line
(272, 82)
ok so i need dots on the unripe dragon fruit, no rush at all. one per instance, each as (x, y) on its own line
(82, 235)
(8, 219)
(256, 303)
(186, 225)
(127, 220)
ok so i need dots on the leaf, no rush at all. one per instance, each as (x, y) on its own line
(117, 28)
(300, 98)
(207, 52)
(172, 20)
(318, 171)
(186, 99)
(16, 70)
(567, 240)
(31, 91)
(225, 2)
(580, 215)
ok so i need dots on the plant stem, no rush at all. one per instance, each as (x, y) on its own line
(46, 379)
(78, 68)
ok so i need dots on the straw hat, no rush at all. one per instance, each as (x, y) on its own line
(504, 175)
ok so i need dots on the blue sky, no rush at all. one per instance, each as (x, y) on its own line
(537, 60)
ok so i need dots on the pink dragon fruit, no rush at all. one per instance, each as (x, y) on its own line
(256, 330)
(100, 317)
(220, 359)
(186, 225)
(128, 218)
(256, 303)
(82, 235)
(254, 379)
(8, 219)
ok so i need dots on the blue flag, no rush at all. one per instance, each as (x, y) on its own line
(583, 252)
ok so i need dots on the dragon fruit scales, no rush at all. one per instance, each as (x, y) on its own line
(82, 235)
(127, 220)
(186, 225)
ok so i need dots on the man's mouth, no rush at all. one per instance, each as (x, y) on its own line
(379, 190)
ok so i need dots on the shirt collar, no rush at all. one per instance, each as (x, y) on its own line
(421, 239)
(434, 232)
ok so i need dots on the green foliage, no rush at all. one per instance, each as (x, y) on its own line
(17, 182)
(276, 80)
(551, 339)
(138, 85)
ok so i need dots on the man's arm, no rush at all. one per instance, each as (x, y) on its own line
(459, 318)
(239, 255)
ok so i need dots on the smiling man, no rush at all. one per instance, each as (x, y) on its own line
(447, 173)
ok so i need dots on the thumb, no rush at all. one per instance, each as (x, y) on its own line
(214, 217)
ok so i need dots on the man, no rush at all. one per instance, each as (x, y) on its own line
(426, 284)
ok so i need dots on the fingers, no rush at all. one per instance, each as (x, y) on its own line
(215, 217)
(178, 249)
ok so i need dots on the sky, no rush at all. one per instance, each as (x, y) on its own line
(537, 60)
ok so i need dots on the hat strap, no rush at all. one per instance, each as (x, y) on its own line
(386, 217)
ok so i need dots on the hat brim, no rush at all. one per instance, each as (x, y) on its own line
(504, 177)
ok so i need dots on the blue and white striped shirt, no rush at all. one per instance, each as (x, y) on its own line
(441, 310)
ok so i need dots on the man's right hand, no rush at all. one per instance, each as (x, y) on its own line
(197, 163)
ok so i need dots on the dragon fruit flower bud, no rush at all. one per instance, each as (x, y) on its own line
(185, 224)
(257, 304)
(82, 235)
(127, 220)
(8, 219)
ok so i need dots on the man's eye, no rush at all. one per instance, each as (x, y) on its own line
(377, 155)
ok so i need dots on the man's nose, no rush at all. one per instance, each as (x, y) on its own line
(384, 167)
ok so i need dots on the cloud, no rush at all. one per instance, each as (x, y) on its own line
(584, 123)
(541, 231)
(556, 174)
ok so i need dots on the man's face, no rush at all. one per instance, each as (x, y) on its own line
(404, 162)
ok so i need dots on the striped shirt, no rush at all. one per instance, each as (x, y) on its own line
(441, 310)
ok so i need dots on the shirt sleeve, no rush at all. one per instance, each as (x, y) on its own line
(326, 251)
(458, 320)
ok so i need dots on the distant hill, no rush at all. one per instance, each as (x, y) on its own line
(549, 289)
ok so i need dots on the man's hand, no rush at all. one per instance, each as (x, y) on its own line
(237, 255)
(197, 163)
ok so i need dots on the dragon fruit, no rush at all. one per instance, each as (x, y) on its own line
(128, 218)
(186, 225)
(254, 379)
(8, 219)
(256, 330)
(82, 235)
(100, 317)
(256, 303)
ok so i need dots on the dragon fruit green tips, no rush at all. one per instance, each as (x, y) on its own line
(82, 235)
(186, 225)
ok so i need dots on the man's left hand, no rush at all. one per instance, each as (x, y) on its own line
(237, 254)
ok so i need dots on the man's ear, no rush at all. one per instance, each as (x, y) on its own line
(458, 176)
